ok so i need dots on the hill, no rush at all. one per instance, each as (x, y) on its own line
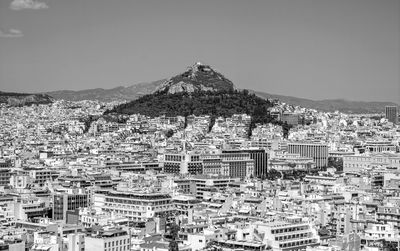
(198, 77)
(201, 77)
(138, 90)
(198, 103)
(200, 91)
(21, 99)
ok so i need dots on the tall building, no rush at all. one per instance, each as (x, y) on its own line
(319, 152)
(260, 158)
(64, 201)
(391, 114)
(237, 164)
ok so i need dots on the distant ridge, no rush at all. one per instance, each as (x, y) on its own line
(22, 99)
(330, 105)
(201, 77)
(119, 93)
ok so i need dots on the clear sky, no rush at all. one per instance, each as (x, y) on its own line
(306, 48)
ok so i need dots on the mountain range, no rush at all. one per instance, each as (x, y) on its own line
(21, 99)
(138, 90)
(198, 77)
(331, 105)
(120, 93)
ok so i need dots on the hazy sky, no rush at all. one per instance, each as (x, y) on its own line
(306, 48)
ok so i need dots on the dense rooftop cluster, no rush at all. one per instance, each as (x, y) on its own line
(72, 178)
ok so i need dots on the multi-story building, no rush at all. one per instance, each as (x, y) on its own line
(186, 186)
(5, 163)
(211, 163)
(237, 164)
(29, 208)
(355, 163)
(19, 181)
(183, 163)
(380, 235)
(111, 240)
(234, 163)
(289, 162)
(5, 175)
(66, 201)
(76, 242)
(380, 146)
(139, 206)
(136, 167)
(391, 114)
(317, 151)
(259, 156)
(41, 175)
(183, 204)
(202, 185)
(389, 214)
(288, 235)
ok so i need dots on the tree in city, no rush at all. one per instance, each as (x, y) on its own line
(173, 231)
(169, 133)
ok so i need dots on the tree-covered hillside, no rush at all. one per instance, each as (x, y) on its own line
(215, 104)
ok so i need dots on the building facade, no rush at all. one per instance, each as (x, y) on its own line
(64, 201)
(391, 114)
(319, 152)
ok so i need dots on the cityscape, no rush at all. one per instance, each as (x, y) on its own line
(198, 160)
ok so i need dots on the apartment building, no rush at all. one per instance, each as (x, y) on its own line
(292, 234)
(202, 185)
(389, 214)
(139, 206)
(5, 175)
(41, 175)
(111, 240)
(68, 200)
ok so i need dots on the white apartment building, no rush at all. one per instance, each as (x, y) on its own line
(138, 206)
(292, 234)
